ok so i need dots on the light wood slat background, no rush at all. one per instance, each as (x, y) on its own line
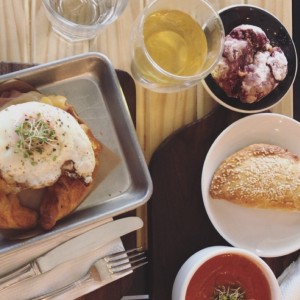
(26, 36)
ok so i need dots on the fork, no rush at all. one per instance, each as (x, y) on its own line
(116, 264)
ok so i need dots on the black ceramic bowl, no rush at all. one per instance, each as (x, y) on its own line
(236, 15)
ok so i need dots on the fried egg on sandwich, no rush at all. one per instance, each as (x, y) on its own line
(39, 141)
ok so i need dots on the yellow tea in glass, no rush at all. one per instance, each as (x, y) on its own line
(176, 44)
(175, 41)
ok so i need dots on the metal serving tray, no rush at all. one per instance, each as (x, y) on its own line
(123, 183)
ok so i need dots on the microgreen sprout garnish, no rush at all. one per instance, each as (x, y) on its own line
(34, 133)
(229, 293)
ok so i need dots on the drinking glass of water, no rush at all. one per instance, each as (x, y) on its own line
(175, 44)
(78, 20)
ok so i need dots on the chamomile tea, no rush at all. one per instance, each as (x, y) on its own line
(175, 42)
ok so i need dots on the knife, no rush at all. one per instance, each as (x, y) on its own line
(73, 248)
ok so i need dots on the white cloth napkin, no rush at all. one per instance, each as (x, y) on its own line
(60, 275)
(289, 281)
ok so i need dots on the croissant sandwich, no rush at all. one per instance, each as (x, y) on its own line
(259, 176)
(45, 149)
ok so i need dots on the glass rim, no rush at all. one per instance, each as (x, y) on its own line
(68, 22)
(201, 74)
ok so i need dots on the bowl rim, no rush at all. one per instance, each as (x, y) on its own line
(196, 260)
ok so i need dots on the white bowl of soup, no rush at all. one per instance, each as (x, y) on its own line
(221, 271)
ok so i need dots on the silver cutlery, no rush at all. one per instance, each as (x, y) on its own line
(73, 248)
(120, 263)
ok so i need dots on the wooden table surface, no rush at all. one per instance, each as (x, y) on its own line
(26, 37)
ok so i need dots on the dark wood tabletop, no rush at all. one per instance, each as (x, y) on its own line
(178, 223)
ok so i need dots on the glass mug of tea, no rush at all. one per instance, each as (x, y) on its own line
(79, 20)
(175, 44)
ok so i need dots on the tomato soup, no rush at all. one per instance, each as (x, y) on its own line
(228, 271)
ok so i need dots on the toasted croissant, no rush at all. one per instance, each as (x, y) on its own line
(66, 194)
(58, 200)
(13, 214)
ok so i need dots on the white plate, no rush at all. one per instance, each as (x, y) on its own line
(267, 233)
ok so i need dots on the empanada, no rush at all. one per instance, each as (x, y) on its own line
(259, 176)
